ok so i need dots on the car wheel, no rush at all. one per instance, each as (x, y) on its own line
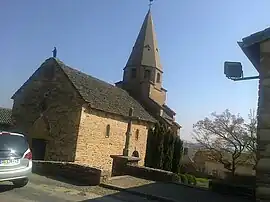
(20, 182)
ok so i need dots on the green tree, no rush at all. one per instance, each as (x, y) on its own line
(154, 148)
(158, 149)
(149, 148)
(226, 136)
(177, 155)
(168, 145)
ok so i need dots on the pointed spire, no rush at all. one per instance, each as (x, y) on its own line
(145, 52)
(150, 3)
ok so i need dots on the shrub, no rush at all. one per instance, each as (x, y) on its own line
(184, 178)
(202, 180)
(191, 179)
(176, 178)
(194, 180)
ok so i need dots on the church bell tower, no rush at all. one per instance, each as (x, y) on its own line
(143, 73)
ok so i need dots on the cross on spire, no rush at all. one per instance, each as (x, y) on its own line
(54, 52)
(150, 3)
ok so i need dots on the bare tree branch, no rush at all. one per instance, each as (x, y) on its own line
(227, 137)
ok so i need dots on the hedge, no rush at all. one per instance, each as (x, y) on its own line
(191, 179)
(184, 178)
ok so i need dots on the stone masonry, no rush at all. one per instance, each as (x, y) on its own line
(263, 167)
(58, 122)
(52, 106)
(95, 144)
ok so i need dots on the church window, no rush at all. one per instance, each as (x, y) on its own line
(108, 128)
(136, 154)
(137, 134)
(147, 74)
(133, 73)
(158, 77)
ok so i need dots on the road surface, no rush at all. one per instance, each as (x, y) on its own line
(42, 189)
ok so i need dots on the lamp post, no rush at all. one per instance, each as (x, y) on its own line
(128, 133)
(234, 71)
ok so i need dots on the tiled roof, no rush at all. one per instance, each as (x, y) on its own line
(104, 96)
(145, 50)
(257, 37)
(5, 116)
(166, 107)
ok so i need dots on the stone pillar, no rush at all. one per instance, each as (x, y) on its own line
(128, 133)
(263, 133)
(120, 163)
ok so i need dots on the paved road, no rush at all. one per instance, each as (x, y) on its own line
(42, 189)
(173, 191)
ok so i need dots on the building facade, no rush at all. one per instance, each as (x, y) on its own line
(5, 119)
(70, 116)
(257, 48)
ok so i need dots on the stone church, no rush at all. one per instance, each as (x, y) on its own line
(68, 115)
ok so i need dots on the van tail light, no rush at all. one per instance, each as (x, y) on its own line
(4, 133)
(28, 155)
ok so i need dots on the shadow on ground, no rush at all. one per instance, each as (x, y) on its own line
(173, 192)
(65, 180)
(5, 187)
(167, 191)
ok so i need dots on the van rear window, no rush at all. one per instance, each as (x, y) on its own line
(13, 142)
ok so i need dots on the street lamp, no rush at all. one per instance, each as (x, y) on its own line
(234, 71)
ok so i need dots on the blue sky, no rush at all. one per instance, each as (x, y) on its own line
(96, 37)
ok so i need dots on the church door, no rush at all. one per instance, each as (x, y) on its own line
(39, 137)
(38, 149)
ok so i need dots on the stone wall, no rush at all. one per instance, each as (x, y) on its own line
(125, 165)
(150, 173)
(77, 173)
(158, 95)
(102, 134)
(263, 134)
(47, 107)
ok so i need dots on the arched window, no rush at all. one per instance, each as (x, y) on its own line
(108, 128)
(158, 77)
(137, 134)
(136, 154)
(147, 74)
